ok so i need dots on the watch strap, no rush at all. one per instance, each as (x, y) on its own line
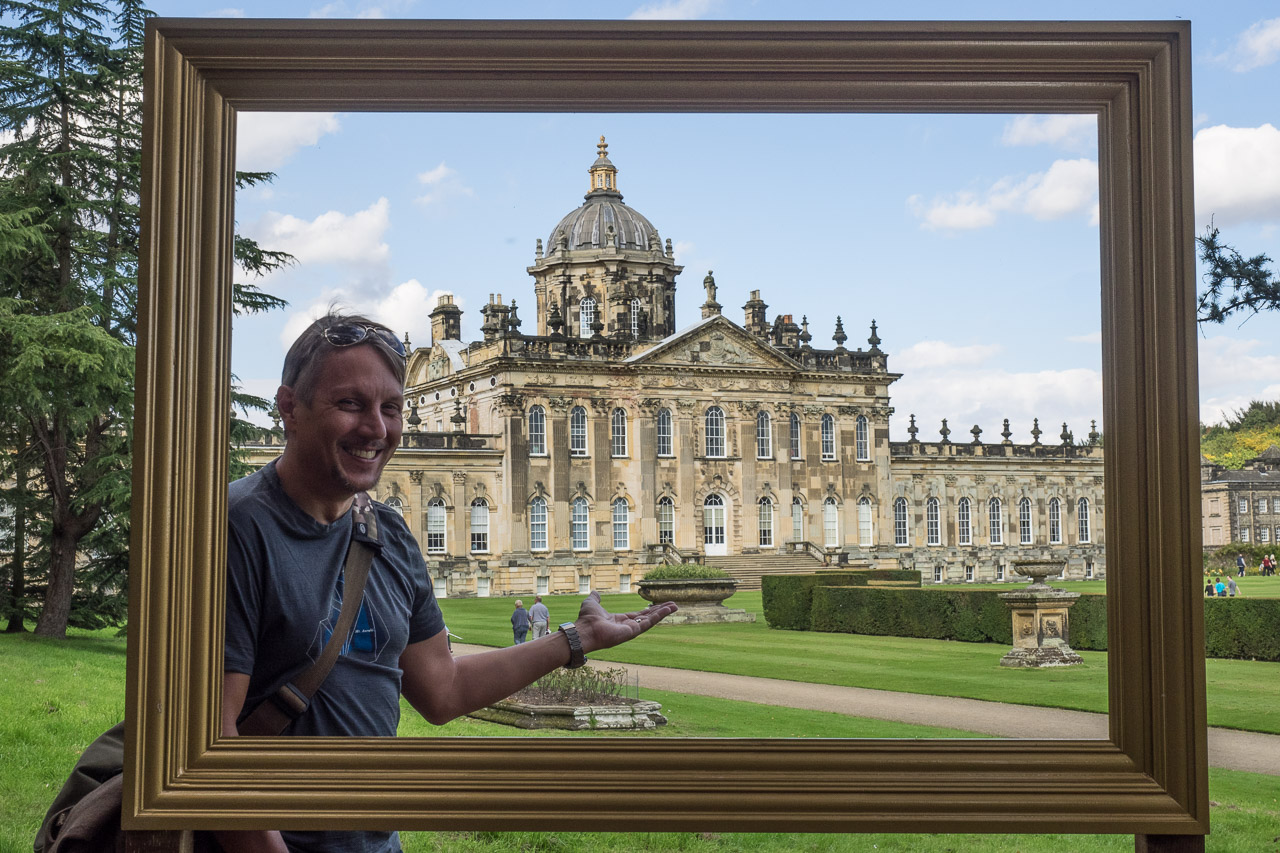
(577, 657)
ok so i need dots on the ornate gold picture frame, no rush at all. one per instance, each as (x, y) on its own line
(1149, 777)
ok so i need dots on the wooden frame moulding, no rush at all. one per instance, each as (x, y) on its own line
(1148, 777)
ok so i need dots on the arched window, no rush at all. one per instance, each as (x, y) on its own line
(964, 523)
(766, 523)
(900, 531)
(579, 520)
(435, 526)
(578, 431)
(795, 436)
(830, 523)
(1024, 521)
(866, 532)
(764, 435)
(537, 429)
(586, 317)
(932, 522)
(797, 520)
(862, 439)
(621, 525)
(715, 432)
(1082, 519)
(538, 524)
(665, 444)
(479, 526)
(1055, 521)
(713, 521)
(666, 521)
(995, 514)
(618, 432)
(395, 505)
(828, 438)
(635, 318)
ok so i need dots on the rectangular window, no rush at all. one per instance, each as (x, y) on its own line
(900, 523)
(479, 528)
(1264, 534)
(1024, 522)
(621, 525)
(440, 587)
(664, 433)
(578, 432)
(619, 433)
(766, 524)
(1275, 505)
(538, 525)
(624, 583)
(937, 574)
(933, 525)
(764, 436)
(1055, 522)
(578, 526)
(666, 522)
(1244, 505)
(435, 528)
(964, 529)
(1262, 504)
(999, 571)
(1088, 570)
(537, 432)
(482, 587)
(584, 584)
(795, 436)
(544, 585)
(996, 515)
(968, 574)
(797, 521)
(1244, 534)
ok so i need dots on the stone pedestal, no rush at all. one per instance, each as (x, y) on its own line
(1041, 628)
(699, 600)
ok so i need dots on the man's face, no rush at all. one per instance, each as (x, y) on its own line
(342, 439)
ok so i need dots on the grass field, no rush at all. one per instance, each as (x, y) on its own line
(56, 696)
(1241, 694)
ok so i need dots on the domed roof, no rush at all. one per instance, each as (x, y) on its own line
(588, 226)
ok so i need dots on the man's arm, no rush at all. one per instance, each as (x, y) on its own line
(442, 687)
(235, 687)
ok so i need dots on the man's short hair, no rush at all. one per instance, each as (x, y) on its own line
(304, 359)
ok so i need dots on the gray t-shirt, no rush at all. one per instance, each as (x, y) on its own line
(539, 613)
(284, 593)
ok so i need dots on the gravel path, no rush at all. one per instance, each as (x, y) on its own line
(1230, 749)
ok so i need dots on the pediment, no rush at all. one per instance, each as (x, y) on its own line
(714, 343)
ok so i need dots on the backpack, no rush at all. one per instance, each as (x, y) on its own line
(85, 816)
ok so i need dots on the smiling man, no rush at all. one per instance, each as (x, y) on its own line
(341, 399)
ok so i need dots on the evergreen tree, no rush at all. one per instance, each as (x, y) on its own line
(1234, 283)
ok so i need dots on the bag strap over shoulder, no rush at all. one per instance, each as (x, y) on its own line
(274, 714)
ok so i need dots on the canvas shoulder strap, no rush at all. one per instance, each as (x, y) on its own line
(274, 714)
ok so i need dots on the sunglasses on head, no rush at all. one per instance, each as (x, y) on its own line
(350, 334)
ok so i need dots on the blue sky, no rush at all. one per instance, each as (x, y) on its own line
(971, 240)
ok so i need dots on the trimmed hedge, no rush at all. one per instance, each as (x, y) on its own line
(1245, 628)
(788, 599)
(684, 572)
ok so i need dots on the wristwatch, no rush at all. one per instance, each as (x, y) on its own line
(577, 657)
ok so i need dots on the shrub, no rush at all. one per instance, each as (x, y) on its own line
(584, 686)
(787, 598)
(685, 571)
(1247, 628)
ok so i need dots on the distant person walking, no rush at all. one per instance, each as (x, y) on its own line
(1231, 587)
(1240, 565)
(540, 617)
(520, 622)
(1220, 588)
(1271, 570)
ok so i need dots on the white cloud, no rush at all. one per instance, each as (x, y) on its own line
(364, 9)
(226, 13)
(1069, 131)
(1237, 173)
(1091, 338)
(442, 183)
(927, 355)
(266, 141)
(674, 10)
(405, 310)
(1068, 187)
(1257, 46)
(331, 237)
(1232, 370)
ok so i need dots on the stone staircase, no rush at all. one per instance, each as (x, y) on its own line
(747, 569)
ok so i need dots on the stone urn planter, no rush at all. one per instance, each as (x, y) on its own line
(1041, 625)
(700, 599)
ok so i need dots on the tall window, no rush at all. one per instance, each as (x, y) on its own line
(537, 422)
(831, 523)
(964, 523)
(866, 534)
(1082, 519)
(995, 514)
(797, 520)
(900, 522)
(578, 431)
(1055, 522)
(479, 526)
(666, 521)
(538, 524)
(764, 436)
(621, 525)
(579, 519)
(587, 317)
(766, 523)
(435, 526)
(618, 432)
(1024, 521)
(932, 522)
(713, 520)
(715, 432)
(635, 318)
(862, 439)
(665, 447)
(795, 436)
(828, 438)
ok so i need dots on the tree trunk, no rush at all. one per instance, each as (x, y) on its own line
(18, 577)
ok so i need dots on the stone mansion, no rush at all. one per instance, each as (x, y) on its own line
(609, 439)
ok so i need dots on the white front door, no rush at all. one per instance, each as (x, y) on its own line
(713, 540)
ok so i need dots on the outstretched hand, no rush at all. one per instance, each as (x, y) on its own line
(600, 629)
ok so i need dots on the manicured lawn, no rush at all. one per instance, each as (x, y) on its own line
(1241, 694)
